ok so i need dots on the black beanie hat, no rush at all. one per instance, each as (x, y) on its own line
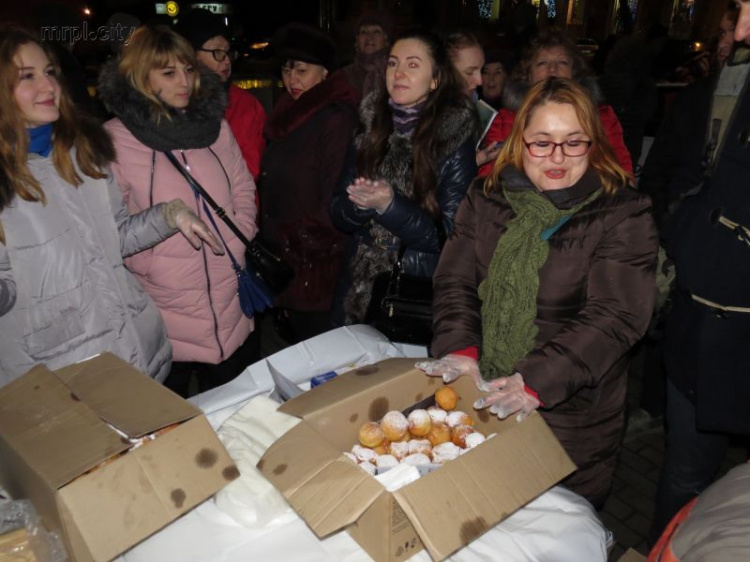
(300, 42)
(199, 25)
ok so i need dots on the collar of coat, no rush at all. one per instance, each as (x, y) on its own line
(454, 126)
(196, 127)
(288, 114)
(515, 92)
(566, 198)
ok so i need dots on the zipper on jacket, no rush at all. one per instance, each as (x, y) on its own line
(205, 268)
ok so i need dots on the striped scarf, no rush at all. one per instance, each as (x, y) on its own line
(405, 118)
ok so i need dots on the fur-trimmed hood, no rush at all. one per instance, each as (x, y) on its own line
(196, 127)
(455, 125)
(515, 92)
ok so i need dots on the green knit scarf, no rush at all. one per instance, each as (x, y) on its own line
(510, 290)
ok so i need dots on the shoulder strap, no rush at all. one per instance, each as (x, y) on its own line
(220, 212)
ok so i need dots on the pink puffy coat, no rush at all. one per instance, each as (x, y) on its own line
(195, 290)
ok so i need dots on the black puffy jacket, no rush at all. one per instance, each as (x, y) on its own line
(405, 221)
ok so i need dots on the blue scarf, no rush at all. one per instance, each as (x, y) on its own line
(40, 140)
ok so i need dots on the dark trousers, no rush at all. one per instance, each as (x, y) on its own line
(693, 458)
(210, 376)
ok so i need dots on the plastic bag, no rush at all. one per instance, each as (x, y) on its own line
(23, 538)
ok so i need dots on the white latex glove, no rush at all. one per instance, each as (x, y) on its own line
(450, 367)
(368, 194)
(508, 396)
(180, 216)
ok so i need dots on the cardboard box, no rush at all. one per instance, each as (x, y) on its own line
(442, 511)
(55, 428)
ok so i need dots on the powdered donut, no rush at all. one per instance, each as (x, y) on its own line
(417, 459)
(459, 418)
(394, 425)
(386, 461)
(371, 435)
(445, 452)
(399, 449)
(474, 439)
(364, 454)
(420, 446)
(439, 433)
(446, 398)
(437, 414)
(460, 433)
(419, 423)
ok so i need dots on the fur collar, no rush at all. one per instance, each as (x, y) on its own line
(515, 92)
(289, 114)
(455, 125)
(197, 127)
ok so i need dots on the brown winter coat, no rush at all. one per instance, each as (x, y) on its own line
(594, 303)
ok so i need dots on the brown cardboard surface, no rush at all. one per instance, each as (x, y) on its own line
(467, 496)
(102, 383)
(57, 434)
(326, 489)
(445, 509)
(105, 511)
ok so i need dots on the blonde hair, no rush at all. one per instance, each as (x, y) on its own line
(73, 129)
(562, 91)
(155, 47)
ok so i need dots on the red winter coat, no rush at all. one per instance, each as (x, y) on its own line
(246, 118)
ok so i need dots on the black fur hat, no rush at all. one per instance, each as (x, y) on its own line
(199, 25)
(300, 42)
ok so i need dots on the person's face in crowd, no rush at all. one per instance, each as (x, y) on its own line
(37, 93)
(299, 77)
(206, 57)
(742, 29)
(554, 123)
(469, 61)
(173, 84)
(493, 80)
(554, 61)
(371, 38)
(409, 74)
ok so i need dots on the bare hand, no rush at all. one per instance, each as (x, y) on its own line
(489, 153)
(369, 194)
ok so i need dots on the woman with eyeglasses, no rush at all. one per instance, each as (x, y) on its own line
(164, 105)
(548, 282)
(246, 117)
(553, 53)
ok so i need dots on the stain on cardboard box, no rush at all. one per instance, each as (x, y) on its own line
(473, 528)
(206, 458)
(280, 469)
(230, 473)
(353, 418)
(368, 370)
(178, 497)
(378, 408)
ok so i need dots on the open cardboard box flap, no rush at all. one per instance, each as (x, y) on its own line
(452, 506)
(325, 488)
(102, 381)
(56, 432)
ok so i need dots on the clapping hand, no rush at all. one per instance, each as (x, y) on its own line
(369, 194)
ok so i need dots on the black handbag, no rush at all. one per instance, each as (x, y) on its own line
(401, 305)
(274, 271)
